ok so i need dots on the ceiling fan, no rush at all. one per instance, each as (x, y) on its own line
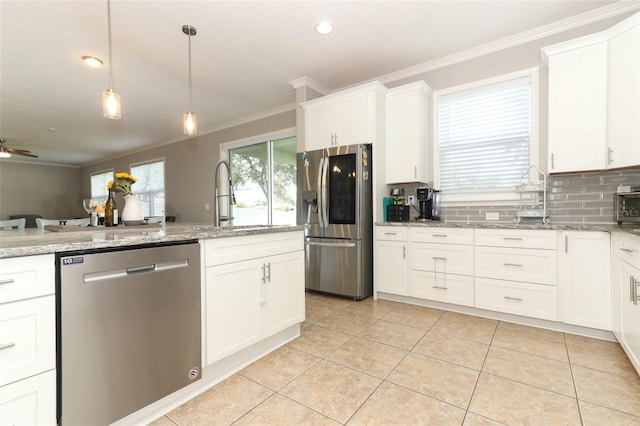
(6, 152)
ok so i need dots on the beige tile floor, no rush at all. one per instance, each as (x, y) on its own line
(385, 363)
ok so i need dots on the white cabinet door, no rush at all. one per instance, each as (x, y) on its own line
(319, 125)
(616, 287)
(391, 267)
(31, 401)
(624, 93)
(585, 278)
(353, 121)
(283, 303)
(406, 133)
(630, 313)
(577, 105)
(232, 307)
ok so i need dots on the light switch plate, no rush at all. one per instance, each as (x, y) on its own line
(492, 215)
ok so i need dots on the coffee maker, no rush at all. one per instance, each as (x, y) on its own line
(429, 203)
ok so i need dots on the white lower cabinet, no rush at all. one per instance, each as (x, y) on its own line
(585, 277)
(27, 341)
(518, 298)
(442, 265)
(31, 401)
(249, 300)
(391, 260)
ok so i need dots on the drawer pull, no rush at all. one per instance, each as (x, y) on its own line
(6, 345)
(512, 238)
(438, 287)
(440, 235)
(626, 250)
(515, 265)
(8, 281)
(439, 258)
(390, 233)
(517, 299)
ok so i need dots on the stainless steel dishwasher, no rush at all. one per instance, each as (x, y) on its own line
(128, 328)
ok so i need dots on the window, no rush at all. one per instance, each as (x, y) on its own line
(264, 178)
(150, 186)
(485, 137)
(99, 181)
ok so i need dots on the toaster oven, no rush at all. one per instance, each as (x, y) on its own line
(626, 206)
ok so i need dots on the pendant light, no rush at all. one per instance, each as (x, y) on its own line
(189, 123)
(110, 99)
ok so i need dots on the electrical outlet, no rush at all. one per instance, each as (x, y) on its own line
(492, 215)
(411, 199)
(206, 206)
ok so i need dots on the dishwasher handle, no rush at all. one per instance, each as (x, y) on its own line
(121, 273)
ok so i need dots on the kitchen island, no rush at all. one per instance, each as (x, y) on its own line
(252, 302)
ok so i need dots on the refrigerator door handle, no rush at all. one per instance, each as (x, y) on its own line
(325, 195)
(318, 244)
(319, 193)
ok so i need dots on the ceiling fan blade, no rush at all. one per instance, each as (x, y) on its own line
(17, 151)
(21, 152)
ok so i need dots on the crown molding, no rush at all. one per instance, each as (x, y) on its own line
(562, 25)
(310, 83)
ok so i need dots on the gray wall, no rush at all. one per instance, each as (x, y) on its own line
(190, 166)
(50, 191)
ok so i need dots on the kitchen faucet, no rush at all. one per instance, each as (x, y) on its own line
(231, 196)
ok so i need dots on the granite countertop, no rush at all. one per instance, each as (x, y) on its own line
(28, 242)
(506, 225)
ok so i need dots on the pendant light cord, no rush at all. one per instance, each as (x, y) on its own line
(189, 70)
(109, 35)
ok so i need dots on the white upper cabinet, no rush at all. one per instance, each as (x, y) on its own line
(353, 116)
(577, 104)
(624, 93)
(406, 138)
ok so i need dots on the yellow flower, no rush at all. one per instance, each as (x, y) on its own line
(122, 183)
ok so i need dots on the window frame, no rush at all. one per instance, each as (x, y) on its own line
(226, 147)
(485, 196)
(106, 195)
(164, 180)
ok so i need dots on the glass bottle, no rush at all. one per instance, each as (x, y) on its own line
(111, 211)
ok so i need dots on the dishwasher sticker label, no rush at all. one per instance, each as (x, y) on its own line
(72, 260)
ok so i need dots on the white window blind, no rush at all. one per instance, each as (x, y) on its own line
(150, 187)
(484, 137)
(99, 181)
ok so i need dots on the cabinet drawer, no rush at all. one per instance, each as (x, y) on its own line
(531, 300)
(425, 234)
(448, 288)
(219, 251)
(27, 332)
(25, 277)
(629, 250)
(442, 258)
(392, 233)
(535, 266)
(30, 402)
(518, 238)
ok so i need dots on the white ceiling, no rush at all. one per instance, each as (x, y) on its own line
(244, 55)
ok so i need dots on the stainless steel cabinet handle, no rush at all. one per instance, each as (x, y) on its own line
(515, 265)
(269, 271)
(415, 171)
(631, 288)
(439, 288)
(626, 250)
(517, 299)
(439, 258)
(512, 238)
(9, 281)
(566, 244)
(635, 291)
(264, 273)
(6, 345)
(610, 155)
(390, 233)
(440, 235)
(404, 252)
(336, 140)
(552, 162)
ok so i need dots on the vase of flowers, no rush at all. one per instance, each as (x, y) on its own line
(132, 212)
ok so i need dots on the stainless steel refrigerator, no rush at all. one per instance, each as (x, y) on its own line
(334, 199)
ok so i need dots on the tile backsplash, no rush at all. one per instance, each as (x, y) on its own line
(580, 198)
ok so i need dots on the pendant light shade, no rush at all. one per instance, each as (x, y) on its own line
(189, 123)
(110, 99)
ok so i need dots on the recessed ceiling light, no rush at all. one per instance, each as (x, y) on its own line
(324, 28)
(92, 61)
